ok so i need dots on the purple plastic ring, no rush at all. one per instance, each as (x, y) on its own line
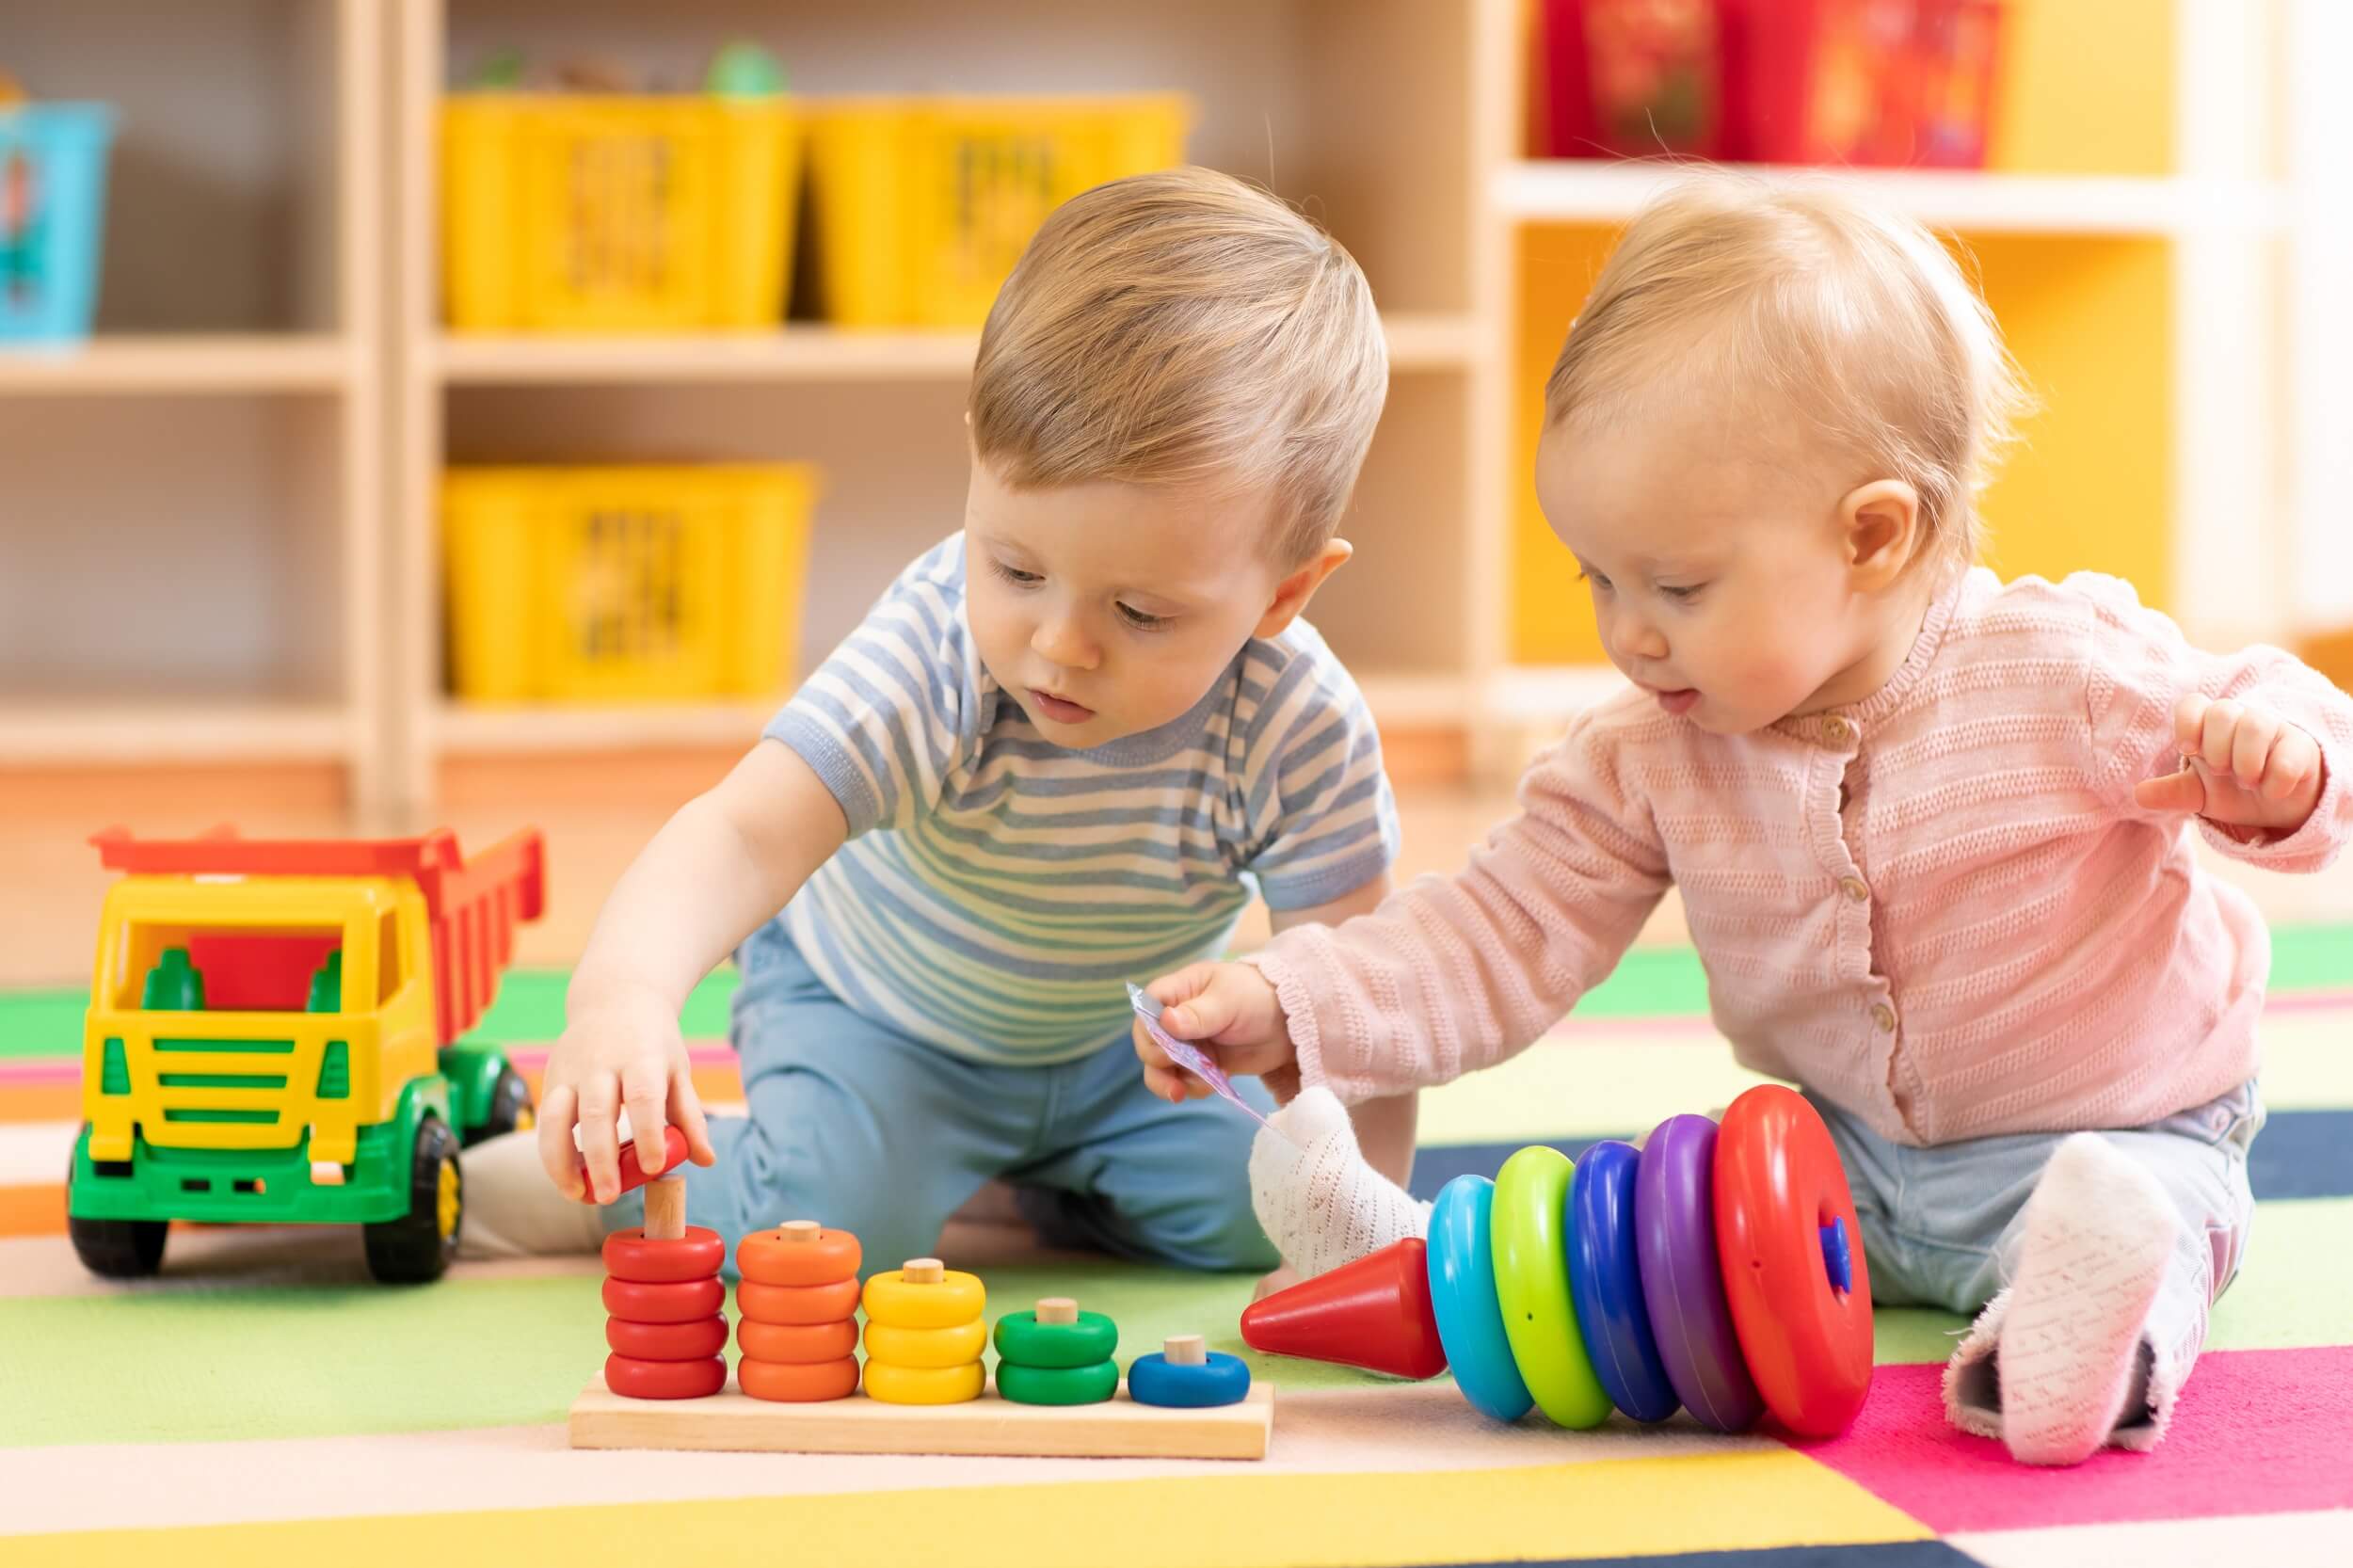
(1683, 1284)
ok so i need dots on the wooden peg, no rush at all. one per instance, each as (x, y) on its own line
(799, 1230)
(1185, 1349)
(666, 1208)
(1058, 1309)
(924, 1271)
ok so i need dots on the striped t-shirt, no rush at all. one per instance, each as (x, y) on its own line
(997, 890)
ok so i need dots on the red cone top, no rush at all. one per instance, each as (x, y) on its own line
(1373, 1313)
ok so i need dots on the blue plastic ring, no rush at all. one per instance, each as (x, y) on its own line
(1224, 1379)
(1462, 1289)
(1606, 1279)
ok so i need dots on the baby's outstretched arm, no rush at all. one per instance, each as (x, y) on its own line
(726, 862)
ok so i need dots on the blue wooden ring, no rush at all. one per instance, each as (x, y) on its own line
(1462, 1289)
(1606, 1278)
(1224, 1380)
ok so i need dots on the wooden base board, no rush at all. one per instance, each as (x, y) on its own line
(731, 1422)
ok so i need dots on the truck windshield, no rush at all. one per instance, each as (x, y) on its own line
(181, 969)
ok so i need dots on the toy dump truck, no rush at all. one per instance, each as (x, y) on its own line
(273, 1035)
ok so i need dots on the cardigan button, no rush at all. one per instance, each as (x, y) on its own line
(1855, 888)
(1884, 1016)
(1837, 730)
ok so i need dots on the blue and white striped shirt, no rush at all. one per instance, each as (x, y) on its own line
(997, 888)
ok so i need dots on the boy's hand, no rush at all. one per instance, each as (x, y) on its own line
(623, 1051)
(1231, 1011)
(2242, 767)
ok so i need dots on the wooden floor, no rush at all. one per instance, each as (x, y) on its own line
(51, 884)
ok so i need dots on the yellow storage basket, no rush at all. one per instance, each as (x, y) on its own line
(611, 585)
(595, 214)
(919, 206)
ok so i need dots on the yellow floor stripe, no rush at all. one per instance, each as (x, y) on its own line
(1646, 1506)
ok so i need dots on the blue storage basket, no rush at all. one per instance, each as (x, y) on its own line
(52, 197)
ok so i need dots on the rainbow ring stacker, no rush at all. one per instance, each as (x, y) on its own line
(1463, 1290)
(1606, 1281)
(1532, 1267)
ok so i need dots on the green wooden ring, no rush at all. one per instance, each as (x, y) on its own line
(1531, 1263)
(1090, 1385)
(1024, 1341)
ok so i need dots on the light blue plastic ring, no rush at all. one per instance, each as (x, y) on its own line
(1462, 1289)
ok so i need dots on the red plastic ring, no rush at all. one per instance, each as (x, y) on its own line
(698, 1254)
(695, 1341)
(800, 1344)
(664, 1380)
(797, 1303)
(1778, 1185)
(680, 1301)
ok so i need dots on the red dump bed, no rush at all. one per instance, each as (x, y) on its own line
(474, 905)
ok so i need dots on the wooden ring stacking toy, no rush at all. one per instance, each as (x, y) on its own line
(806, 1343)
(1682, 1281)
(954, 1298)
(797, 1381)
(952, 1345)
(665, 1379)
(698, 1254)
(1021, 1339)
(799, 1252)
(1533, 1288)
(1463, 1290)
(697, 1341)
(673, 1156)
(1186, 1375)
(1606, 1281)
(924, 1385)
(682, 1301)
(1089, 1384)
(797, 1304)
(1782, 1211)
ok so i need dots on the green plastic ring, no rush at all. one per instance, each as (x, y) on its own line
(1531, 1263)
(1024, 1341)
(1090, 1385)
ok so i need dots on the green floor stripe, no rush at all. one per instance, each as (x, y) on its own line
(1648, 982)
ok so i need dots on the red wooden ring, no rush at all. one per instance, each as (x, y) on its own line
(698, 1254)
(767, 1257)
(797, 1383)
(673, 1156)
(664, 1380)
(1778, 1183)
(799, 1344)
(680, 1301)
(695, 1341)
(797, 1303)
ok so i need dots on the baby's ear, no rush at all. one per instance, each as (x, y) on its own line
(1295, 589)
(1880, 524)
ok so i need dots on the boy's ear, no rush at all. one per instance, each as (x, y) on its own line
(1880, 525)
(1292, 593)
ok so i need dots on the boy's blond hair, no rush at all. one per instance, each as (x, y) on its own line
(1803, 301)
(1185, 327)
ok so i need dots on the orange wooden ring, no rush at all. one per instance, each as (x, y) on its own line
(679, 1302)
(799, 1344)
(773, 1257)
(797, 1383)
(665, 1379)
(698, 1254)
(797, 1303)
(695, 1341)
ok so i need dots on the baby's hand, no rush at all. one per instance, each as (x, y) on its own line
(1231, 1011)
(2242, 767)
(621, 1051)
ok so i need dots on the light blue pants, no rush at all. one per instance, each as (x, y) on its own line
(1942, 1226)
(856, 1125)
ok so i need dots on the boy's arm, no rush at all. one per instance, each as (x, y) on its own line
(1385, 1127)
(721, 867)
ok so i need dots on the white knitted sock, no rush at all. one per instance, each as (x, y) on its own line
(514, 1210)
(2099, 1235)
(1320, 1204)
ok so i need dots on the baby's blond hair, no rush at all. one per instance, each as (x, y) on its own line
(1801, 299)
(1185, 327)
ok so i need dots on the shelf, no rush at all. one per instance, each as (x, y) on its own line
(810, 352)
(1570, 190)
(459, 727)
(193, 364)
(104, 731)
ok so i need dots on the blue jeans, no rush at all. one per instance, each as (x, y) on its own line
(1942, 1226)
(863, 1129)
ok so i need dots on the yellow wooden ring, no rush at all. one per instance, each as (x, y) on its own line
(927, 1347)
(954, 1301)
(923, 1384)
